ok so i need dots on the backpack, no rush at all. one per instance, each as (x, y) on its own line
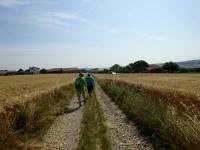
(90, 81)
(78, 83)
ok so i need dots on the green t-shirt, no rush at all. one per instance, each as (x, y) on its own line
(80, 83)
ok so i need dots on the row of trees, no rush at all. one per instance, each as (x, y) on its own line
(142, 66)
(22, 72)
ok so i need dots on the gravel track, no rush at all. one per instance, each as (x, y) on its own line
(123, 133)
(64, 133)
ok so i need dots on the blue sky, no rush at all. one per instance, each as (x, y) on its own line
(97, 33)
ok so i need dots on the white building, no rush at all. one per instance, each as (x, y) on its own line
(3, 72)
(34, 70)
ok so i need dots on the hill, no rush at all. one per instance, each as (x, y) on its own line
(190, 64)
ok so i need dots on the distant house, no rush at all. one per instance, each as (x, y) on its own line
(7, 72)
(55, 70)
(153, 68)
(94, 70)
(34, 70)
(71, 70)
(3, 72)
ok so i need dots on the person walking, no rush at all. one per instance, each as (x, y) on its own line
(90, 84)
(80, 85)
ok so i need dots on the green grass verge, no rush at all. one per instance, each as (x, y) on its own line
(167, 127)
(93, 130)
(29, 123)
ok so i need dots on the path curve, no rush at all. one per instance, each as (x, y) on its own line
(64, 133)
(123, 133)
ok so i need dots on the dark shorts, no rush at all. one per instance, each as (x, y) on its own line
(90, 88)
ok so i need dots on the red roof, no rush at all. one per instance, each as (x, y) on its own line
(153, 66)
(55, 70)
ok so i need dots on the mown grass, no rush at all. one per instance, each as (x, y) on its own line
(26, 124)
(167, 127)
(93, 130)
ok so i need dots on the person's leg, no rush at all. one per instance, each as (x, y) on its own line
(79, 97)
(90, 89)
(84, 98)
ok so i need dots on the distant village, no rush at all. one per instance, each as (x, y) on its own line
(140, 66)
(35, 70)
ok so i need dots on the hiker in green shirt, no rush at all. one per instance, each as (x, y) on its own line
(80, 85)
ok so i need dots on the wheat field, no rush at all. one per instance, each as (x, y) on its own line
(20, 89)
(186, 83)
(164, 105)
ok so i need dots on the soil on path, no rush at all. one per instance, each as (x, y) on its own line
(123, 133)
(64, 133)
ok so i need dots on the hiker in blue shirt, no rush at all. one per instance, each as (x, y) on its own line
(90, 84)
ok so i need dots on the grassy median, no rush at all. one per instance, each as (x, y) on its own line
(93, 130)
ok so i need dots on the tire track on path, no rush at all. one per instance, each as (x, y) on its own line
(64, 133)
(123, 133)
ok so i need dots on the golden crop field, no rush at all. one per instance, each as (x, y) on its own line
(186, 83)
(19, 89)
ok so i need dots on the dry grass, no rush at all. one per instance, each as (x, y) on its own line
(29, 104)
(93, 129)
(165, 106)
(180, 90)
(168, 127)
(20, 89)
(187, 83)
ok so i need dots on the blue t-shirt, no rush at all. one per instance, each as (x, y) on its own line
(90, 81)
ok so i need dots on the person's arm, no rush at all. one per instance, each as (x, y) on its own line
(84, 82)
(75, 82)
(93, 82)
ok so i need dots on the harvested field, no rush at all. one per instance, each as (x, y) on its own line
(20, 89)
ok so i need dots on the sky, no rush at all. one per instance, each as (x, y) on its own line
(97, 33)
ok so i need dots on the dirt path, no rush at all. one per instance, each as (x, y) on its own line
(123, 133)
(64, 133)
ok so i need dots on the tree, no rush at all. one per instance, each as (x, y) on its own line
(138, 66)
(43, 71)
(105, 70)
(116, 68)
(170, 67)
(125, 69)
(20, 70)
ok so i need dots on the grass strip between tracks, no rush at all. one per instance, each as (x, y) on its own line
(93, 129)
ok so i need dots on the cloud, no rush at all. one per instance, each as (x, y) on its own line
(10, 3)
(65, 16)
(57, 20)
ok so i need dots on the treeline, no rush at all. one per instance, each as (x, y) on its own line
(142, 66)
